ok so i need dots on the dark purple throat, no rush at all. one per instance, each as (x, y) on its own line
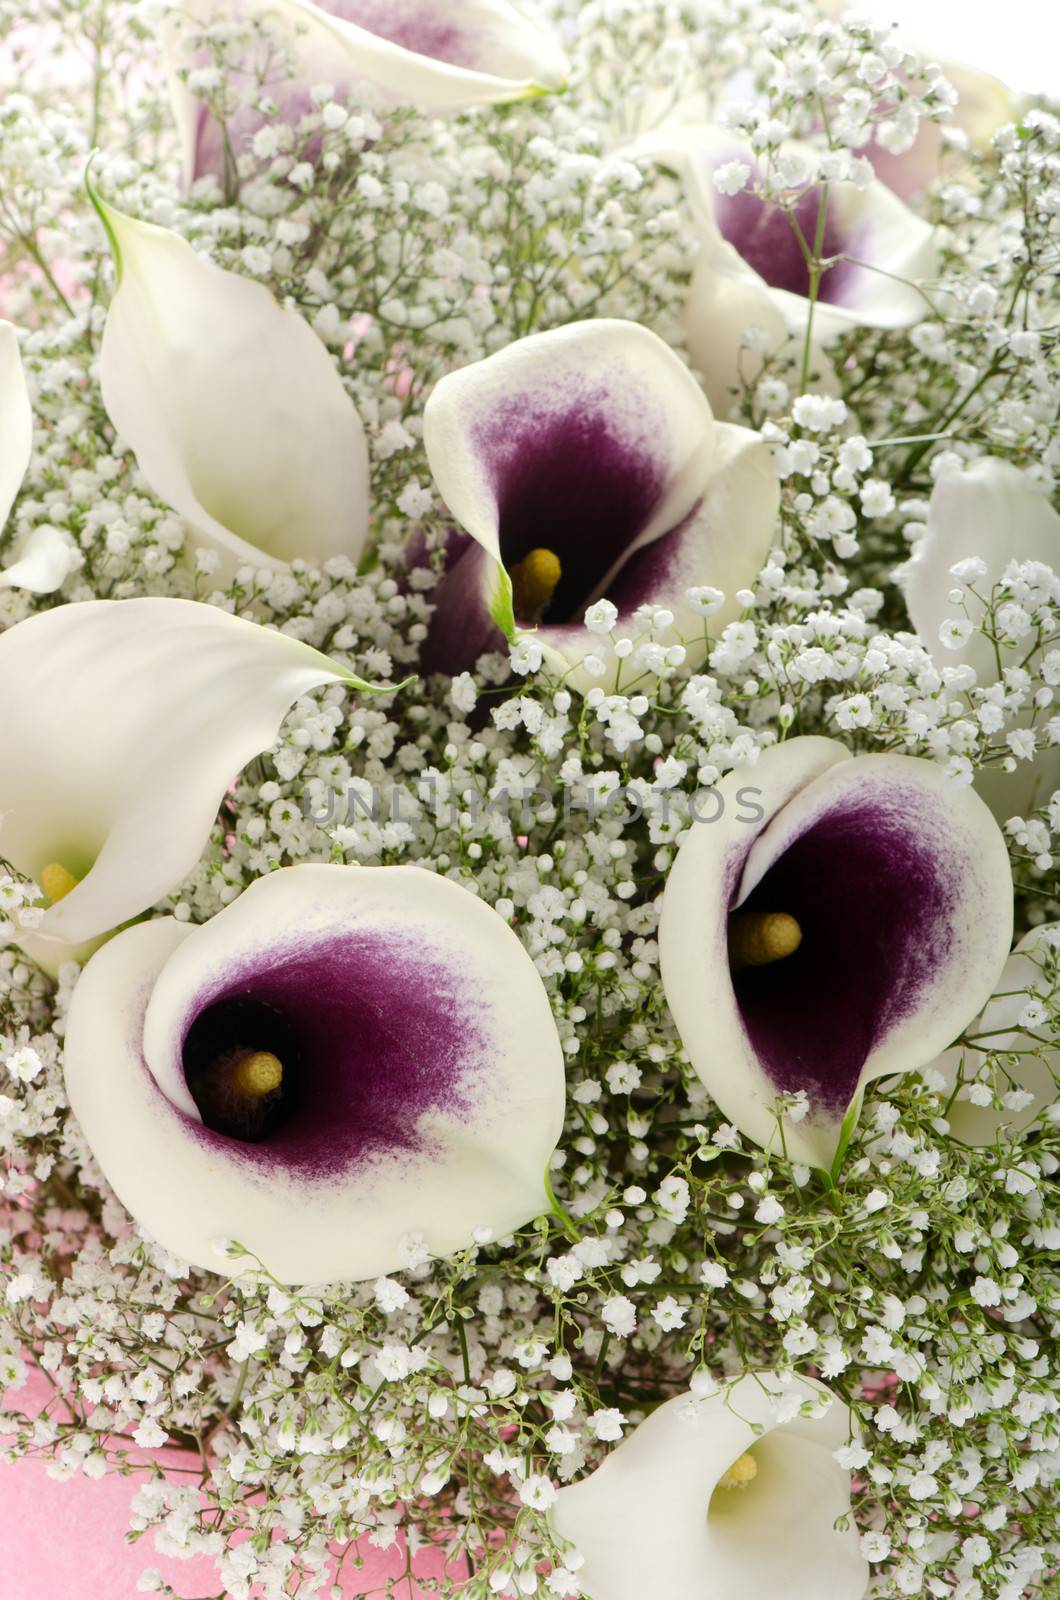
(873, 895)
(763, 234)
(375, 1031)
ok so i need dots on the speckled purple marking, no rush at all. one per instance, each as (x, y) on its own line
(575, 478)
(873, 886)
(385, 1031)
(413, 24)
(762, 234)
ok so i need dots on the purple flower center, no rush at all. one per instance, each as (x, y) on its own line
(375, 1032)
(576, 482)
(763, 234)
(412, 24)
(871, 889)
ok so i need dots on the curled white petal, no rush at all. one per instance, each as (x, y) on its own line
(901, 887)
(423, 1074)
(439, 56)
(1025, 1066)
(43, 562)
(16, 421)
(122, 723)
(596, 442)
(685, 1532)
(986, 512)
(231, 404)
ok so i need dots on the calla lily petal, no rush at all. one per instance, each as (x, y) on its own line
(751, 268)
(418, 1082)
(592, 445)
(987, 512)
(16, 421)
(122, 723)
(723, 1493)
(901, 890)
(43, 563)
(1034, 1072)
(231, 404)
(439, 56)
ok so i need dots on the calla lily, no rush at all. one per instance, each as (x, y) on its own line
(732, 1491)
(845, 917)
(751, 268)
(122, 723)
(1030, 973)
(987, 512)
(585, 463)
(342, 1058)
(438, 56)
(46, 557)
(231, 405)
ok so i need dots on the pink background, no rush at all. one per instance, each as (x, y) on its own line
(66, 1541)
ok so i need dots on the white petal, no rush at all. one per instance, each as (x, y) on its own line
(902, 888)
(122, 723)
(16, 421)
(43, 563)
(431, 1085)
(439, 56)
(231, 404)
(1036, 1073)
(684, 1535)
(990, 512)
(594, 441)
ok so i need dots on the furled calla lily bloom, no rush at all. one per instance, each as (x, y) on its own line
(341, 1058)
(845, 917)
(231, 404)
(751, 269)
(122, 723)
(1030, 973)
(585, 463)
(730, 1492)
(985, 513)
(45, 558)
(438, 56)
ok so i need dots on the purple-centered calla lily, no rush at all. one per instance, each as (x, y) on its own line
(1024, 1068)
(732, 1489)
(752, 271)
(990, 514)
(122, 722)
(851, 929)
(342, 1058)
(585, 464)
(439, 56)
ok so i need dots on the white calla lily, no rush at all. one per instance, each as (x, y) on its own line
(230, 403)
(439, 56)
(47, 556)
(843, 918)
(122, 723)
(751, 269)
(585, 464)
(723, 1491)
(1023, 1068)
(987, 513)
(342, 1058)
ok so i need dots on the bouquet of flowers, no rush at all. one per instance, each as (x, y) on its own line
(529, 795)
